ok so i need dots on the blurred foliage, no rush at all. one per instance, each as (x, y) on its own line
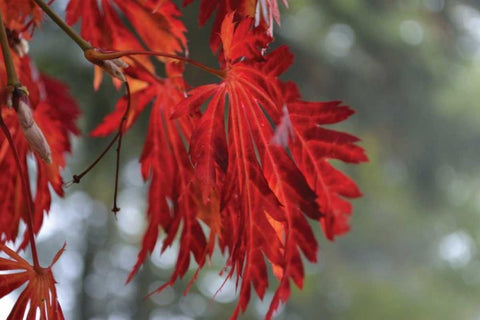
(410, 68)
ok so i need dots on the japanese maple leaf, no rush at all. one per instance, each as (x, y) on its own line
(55, 113)
(244, 174)
(259, 182)
(173, 194)
(39, 298)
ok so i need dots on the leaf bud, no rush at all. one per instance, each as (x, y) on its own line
(30, 129)
(113, 68)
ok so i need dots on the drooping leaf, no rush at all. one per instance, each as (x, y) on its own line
(262, 183)
(55, 113)
(247, 156)
(165, 162)
(174, 200)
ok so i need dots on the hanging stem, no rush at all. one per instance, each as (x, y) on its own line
(26, 191)
(94, 54)
(7, 57)
(115, 208)
(117, 137)
(84, 45)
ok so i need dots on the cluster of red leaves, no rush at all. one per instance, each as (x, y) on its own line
(246, 156)
(55, 112)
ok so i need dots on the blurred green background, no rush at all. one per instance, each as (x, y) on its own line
(411, 70)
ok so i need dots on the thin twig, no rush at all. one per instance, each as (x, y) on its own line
(118, 136)
(94, 54)
(115, 208)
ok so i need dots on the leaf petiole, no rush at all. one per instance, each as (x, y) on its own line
(118, 137)
(115, 208)
(94, 54)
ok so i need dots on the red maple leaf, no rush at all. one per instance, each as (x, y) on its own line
(173, 195)
(238, 176)
(246, 156)
(269, 193)
(39, 298)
